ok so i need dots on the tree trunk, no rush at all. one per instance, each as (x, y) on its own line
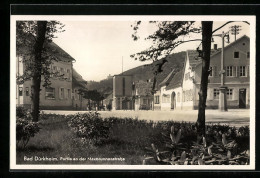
(206, 48)
(36, 79)
(89, 106)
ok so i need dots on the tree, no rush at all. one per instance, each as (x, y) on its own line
(91, 95)
(32, 39)
(167, 38)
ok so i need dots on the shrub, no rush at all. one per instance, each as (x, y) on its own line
(21, 112)
(89, 126)
(25, 129)
(222, 145)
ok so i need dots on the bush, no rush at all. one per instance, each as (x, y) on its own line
(222, 145)
(21, 112)
(25, 129)
(89, 126)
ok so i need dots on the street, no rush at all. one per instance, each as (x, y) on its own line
(234, 117)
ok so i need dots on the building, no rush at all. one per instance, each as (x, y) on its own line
(143, 96)
(236, 76)
(60, 94)
(78, 83)
(123, 92)
(171, 91)
(180, 90)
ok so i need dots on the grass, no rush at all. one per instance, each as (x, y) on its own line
(127, 140)
(56, 140)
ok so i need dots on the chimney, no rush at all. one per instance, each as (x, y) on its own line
(215, 46)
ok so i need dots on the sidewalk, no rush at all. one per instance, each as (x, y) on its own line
(234, 117)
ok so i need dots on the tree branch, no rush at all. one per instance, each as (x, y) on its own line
(226, 24)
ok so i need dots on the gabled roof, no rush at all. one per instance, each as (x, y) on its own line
(193, 54)
(230, 44)
(58, 52)
(167, 79)
(77, 79)
(195, 60)
(176, 81)
(51, 48)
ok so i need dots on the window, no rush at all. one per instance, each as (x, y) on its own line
(216, 93)
(229, 94)
(236, 54)
(157, 99)
(61, 93)
(210, 71)
(242, 71)
(166, 98)
(248, 54)
(61, 69)
(229, 71)
(68, 71)
(75, 94)
(49, 93)
(178, 97)
(20, 91)
(27, 91)
(69, 95)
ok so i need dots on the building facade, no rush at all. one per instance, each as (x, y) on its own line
(181, 92)
(60, 94)
(123, 92)
(143, 96)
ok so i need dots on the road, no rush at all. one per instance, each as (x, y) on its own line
(234, 117)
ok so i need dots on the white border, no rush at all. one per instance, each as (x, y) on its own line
(14, 18)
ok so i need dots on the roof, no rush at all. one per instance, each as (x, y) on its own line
(176, 80)
(167, 79)
(51, 48)
(193, 54)
(230, 44)
(194, 59)
(62, 55)
(77, 79)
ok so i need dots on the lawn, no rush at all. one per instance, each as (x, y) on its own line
(128, 142)
(56, 140)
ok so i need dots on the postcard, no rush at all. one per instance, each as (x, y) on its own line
(114, 92)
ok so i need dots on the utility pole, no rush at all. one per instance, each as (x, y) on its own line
(235, 30)
(222, 89)
(122, 65)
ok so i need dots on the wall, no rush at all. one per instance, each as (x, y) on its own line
(188, 86)
(59, 102)
(157, 106)
(234, 82)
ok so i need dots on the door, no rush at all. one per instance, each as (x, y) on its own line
(242, 98)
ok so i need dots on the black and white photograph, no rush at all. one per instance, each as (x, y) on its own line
(132, 92)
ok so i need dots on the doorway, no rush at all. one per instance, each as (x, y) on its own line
(242, 98)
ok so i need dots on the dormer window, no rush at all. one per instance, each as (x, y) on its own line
(236, 55)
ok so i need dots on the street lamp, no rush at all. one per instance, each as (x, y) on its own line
(223, 89)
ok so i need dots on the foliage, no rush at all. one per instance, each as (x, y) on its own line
(89, 126)
(26, 33)
(21, 112)
(168, 36)
(221, 146)
(93, 95)
(109, 107)
(25, 128)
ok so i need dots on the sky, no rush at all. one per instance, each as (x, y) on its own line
(99, 47)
